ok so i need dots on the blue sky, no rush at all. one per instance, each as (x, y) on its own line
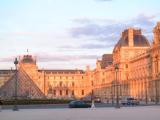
(69, 34)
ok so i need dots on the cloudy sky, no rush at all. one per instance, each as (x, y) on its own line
(69, 34)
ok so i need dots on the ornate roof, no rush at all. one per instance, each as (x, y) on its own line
(139, 40)
(27, 59)
(107, 59)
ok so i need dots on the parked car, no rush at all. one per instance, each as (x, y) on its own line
(129, 101)
(79, 104)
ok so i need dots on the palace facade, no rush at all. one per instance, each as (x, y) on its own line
(133, 68)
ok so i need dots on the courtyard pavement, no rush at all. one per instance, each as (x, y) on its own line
(110, 113)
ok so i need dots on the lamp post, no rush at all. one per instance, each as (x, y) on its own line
(92, 99)
(146, 92)
(156, 92)
(117, 86)
(44, 82)
(112, 93)
(15, 107)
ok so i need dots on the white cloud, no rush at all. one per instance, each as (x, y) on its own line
(111, 30)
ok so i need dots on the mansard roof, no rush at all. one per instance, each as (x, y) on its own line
(107, 59)
(139, 40)
(63, 71)
(5, 71)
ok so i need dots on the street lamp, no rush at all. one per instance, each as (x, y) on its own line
(15, 107)
(146, 92)
(117, 86)
(112, 92)
(92, 99)
(44, 83)
(156, 92)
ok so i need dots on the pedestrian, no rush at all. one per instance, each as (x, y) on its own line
(92, 105)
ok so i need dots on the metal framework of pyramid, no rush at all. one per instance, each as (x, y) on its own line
(26, 87)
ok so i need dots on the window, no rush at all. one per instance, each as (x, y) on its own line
(103, 80)
(60, 92)
(103, 73)
(50, 90)
(126, 65)
(54, 92)
(92, 83)
(66, 92)
(72, 84)
(72, 92)
(82, 92)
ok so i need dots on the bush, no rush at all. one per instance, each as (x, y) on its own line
(35, 101)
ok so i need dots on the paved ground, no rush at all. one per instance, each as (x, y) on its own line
(110, 113)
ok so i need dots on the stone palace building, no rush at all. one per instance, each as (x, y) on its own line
(133, 69)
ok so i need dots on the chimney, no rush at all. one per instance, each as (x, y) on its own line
(156, 32)
(130, 37)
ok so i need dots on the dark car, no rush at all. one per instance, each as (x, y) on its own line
(130, 101)
(79, 104)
